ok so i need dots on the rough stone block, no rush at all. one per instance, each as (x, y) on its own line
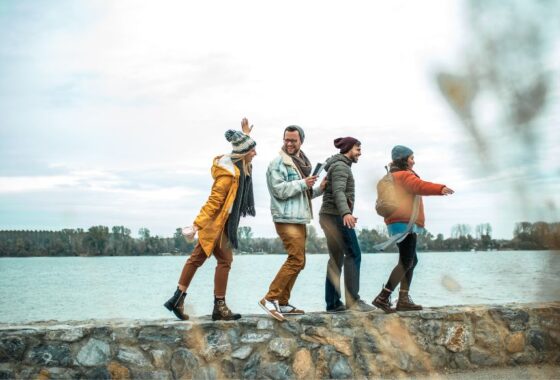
(278, 371)
(95, 352)
(456, 338)
(265, 324)
(515, 319)
(53, 354)
(537, 339)
(515, 342)
(160, 335)
(282, 347)
(251, 370)
(482, 357)
(183, 363)
(217, 343)
(118, 371)
(11, 348)
(242, 353)
(160, 358)
(340, 368)
(133, 356)
(67, 335)
(251, 337)
(142, 374)
(302, 366)
(101, 373)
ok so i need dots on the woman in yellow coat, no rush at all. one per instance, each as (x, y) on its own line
(231, 197)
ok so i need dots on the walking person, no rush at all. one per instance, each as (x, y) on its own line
(231, 197)
(338, 224)
(407, 186)
(290, 185)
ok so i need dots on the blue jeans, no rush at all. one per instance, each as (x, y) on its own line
(344, 251)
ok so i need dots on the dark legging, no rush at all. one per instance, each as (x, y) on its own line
(404, 270)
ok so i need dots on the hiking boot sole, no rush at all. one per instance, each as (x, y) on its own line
(217, 317)
(383, 307)
(178, 314)
(292, 313)
(417, 308)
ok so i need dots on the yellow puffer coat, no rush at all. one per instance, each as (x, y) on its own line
(213, 216)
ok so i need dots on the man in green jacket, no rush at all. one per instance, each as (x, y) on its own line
(338, 223)
(290, 185)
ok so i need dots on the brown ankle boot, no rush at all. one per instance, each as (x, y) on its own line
(175, 304)
(383, 301)
(405, 303)
(222, 312)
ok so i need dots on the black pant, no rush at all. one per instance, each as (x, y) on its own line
(344, 251)
(404, 270)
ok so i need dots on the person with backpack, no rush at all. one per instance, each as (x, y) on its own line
(338, 222)
(401, 205)
(231, 198)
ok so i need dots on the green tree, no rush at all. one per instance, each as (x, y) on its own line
(96, 239)
(244, 239)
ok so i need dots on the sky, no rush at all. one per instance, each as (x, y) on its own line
(111, 112)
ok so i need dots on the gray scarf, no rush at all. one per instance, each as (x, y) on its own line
(304, 166)
(243, 205)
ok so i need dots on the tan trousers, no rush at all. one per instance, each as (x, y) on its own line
(222, 253)
(293, 237)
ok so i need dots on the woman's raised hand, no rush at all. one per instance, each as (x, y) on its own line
(245, 126)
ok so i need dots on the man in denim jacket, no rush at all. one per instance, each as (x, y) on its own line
(290, 185)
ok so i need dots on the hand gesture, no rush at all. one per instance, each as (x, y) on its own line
(446, 191)
(349, 220)
(310, 181)
(245, 126)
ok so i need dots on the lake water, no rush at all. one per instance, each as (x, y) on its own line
(78, 288)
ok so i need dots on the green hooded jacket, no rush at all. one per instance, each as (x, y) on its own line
(338, 198)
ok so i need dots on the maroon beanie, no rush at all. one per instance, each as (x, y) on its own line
(345, 143)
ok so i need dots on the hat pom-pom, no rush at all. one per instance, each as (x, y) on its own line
(230, 133)
(338, 143)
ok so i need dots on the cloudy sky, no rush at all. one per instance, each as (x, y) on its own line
(111, 112)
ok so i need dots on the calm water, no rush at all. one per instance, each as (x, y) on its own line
(76, 288)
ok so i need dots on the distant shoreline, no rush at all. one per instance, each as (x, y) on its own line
(283, 253)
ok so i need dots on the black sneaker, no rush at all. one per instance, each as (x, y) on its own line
(338, 309)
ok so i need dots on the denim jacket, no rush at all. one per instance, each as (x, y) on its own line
(289, 201)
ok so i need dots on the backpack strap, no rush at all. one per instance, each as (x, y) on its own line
(400, 237)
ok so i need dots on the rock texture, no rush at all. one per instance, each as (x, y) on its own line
(316, 345)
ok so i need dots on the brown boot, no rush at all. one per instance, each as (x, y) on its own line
(383, 301)
(405, 303)
(222, 312)
(175, 304)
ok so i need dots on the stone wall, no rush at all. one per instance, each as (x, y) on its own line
(316, 345)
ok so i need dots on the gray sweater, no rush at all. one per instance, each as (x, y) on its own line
(338, 198)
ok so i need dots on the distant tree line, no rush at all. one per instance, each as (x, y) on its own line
(96, 241)
(100, 241)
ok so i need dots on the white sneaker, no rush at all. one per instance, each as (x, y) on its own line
(272, 308)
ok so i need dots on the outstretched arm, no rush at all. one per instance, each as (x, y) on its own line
(415, 185)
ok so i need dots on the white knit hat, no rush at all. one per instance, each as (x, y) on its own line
(240, 142)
